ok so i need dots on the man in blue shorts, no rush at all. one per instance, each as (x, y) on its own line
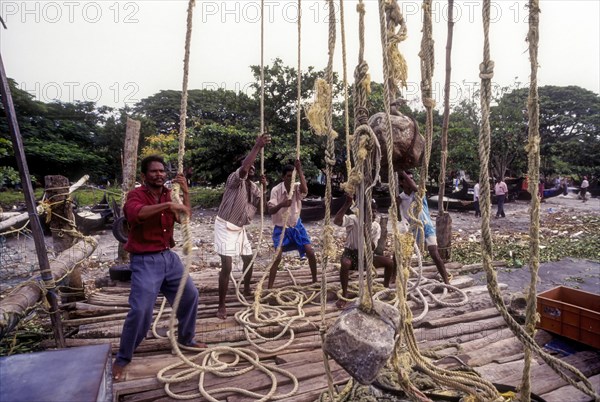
(409, 187)
(295, 236)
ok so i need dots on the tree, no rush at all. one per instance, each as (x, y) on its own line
(204, 107)
(569, 130)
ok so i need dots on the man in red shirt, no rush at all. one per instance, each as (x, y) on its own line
(154, 267)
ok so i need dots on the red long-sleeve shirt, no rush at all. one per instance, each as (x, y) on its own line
(155, 233)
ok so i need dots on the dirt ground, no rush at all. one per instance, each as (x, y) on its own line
(18, 260)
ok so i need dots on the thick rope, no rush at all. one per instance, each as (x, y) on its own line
(345, 77)
(319, 115)
(533, 157)
(210, 358)
(486, 71)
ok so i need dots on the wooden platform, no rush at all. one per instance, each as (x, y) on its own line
(474, 333)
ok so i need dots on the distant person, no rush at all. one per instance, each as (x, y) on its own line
(295, 236)
(407, 197)
(541, 189)
(500, 190)
(154, 267)
(476, 200)
(240, 201)
(583, 188)
(349, 259)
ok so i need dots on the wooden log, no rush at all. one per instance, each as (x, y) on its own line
(129, 161)
(443, 228)
(23, 299)
(62, 225)
(62, 221)
(13, 220)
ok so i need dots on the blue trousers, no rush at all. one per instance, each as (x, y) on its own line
(501, 199)
(150, 274)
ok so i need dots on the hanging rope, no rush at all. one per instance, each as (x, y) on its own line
(345, 77)
(533, 174)
(319, 115)
(486, 71)
(211, 362)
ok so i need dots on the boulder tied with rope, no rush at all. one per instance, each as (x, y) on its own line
(362, 342)
(409, 144)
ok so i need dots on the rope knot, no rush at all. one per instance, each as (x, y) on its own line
(361, 115)
(429, 102)
(486, 70)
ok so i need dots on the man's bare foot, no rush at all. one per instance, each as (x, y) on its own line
(222, 312)
(117, 372)
(340, 304)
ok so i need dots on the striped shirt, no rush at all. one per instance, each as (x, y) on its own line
(239, 202)
(353, 237)
(280, 194)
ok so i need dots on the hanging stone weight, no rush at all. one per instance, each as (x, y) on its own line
(362, 343)
(408, 143)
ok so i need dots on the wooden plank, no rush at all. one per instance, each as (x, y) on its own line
(125, 388)
(572, 394)
(457, 330)
(503, 348)
(305, 373)
(476, 344)
(545, 380)
(461, 318)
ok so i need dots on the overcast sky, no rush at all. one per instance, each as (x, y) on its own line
(118, 52)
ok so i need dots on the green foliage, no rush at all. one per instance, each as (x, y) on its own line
(515, 247)
(79, 138)
(26, 338)
(8, 176)
(206, 197)
(569, 129)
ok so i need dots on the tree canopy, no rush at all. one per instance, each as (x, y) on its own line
(82, 138)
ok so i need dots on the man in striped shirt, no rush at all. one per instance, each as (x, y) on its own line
(240, 201)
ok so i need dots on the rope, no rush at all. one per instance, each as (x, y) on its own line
(345, 77)
(533, 174)
(210, 358)
(319, 116)
(567, 372)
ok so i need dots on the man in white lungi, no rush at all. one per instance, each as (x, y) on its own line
(240, 202)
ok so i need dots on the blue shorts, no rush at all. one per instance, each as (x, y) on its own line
(295, 238)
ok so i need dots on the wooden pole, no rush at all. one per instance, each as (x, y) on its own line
(36, 227)
(130, 152)
(62, 224)
(443, 222)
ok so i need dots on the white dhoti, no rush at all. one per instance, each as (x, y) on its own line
(231, 240)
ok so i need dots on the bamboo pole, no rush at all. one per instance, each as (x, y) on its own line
(38, 234)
